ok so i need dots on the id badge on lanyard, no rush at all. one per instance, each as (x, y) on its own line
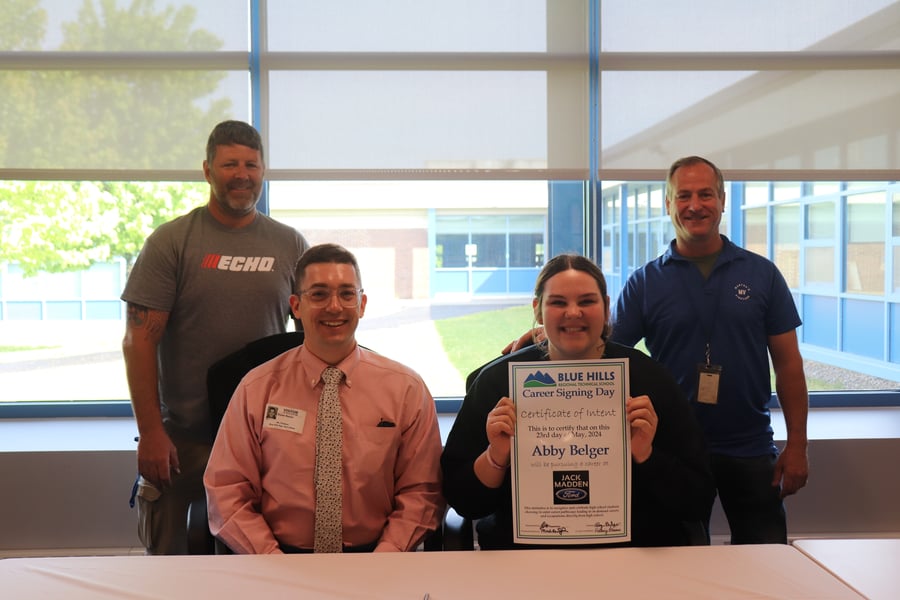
(708, 384)
(708, 374)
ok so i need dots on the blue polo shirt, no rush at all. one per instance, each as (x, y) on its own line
(745, 300)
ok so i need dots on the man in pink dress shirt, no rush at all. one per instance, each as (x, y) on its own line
(260, 478)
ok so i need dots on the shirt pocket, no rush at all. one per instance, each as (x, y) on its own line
(373, 449)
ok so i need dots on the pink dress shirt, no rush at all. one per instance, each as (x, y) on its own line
(259, 480)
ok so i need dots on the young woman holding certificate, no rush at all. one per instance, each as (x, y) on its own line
(671, 484)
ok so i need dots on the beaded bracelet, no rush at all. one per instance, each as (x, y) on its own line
(491, 462)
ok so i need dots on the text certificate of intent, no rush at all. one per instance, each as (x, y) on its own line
(571, 455)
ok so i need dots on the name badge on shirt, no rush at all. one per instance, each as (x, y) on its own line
(284, 418)
(708, 384)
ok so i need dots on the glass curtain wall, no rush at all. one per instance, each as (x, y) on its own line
(450, 145)
(811, 147)
(392, 128)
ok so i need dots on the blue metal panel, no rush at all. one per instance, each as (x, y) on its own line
(432, 252)
(863, 328)
(820, 316)
(64, 310)
(24, 311)
(256, 112)
(565, 218)
(40, 410)
(489, 282)
(614, 285)
(894, 338)
(593, 237)
(624, 265)
(254, 63)
(103, 310)
(450, 282)
(735, 213)
(521, 281)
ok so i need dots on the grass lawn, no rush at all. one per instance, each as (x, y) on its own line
(472, 340)
(24, 348)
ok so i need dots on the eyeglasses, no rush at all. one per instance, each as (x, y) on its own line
(321, 297)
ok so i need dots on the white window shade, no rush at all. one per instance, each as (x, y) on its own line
(125, 26)
(411, 26)
(486, 89)
(758, 26)
(109, 121)
(773, 120)
(771, 89)
(424, 121)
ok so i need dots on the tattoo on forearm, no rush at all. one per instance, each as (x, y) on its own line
(137, 315)
(141, 317)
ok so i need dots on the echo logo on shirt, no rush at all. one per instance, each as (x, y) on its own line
(238, 263)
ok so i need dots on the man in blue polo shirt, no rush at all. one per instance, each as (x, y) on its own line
(713, 313)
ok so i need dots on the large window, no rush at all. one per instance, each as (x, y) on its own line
(845, 338)
(490, 241)
(453, 146)
(493, 254)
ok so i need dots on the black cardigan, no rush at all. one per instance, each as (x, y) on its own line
(672, 488)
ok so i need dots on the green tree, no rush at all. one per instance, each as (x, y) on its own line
(23, 24)
(100, 119)
(102, 221)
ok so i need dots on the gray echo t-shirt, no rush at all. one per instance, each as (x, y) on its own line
(222, 289)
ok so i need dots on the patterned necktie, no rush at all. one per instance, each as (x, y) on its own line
(329, 432)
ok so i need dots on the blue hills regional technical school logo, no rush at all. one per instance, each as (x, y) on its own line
(539, 379)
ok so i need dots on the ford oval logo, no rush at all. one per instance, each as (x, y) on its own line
(571, 494)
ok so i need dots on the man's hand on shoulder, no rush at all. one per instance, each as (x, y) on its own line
(532, 336)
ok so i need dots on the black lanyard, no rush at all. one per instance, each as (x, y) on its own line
(707, 331)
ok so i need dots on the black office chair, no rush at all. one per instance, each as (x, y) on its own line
(222, 378)
(458, 531)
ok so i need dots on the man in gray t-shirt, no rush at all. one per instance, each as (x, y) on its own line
(204, 285)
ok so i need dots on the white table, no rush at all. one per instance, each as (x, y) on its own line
(720, 572)
(870, 566)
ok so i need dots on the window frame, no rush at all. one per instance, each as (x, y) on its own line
(259, 63)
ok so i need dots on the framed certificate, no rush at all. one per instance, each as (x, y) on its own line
(571, 454)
